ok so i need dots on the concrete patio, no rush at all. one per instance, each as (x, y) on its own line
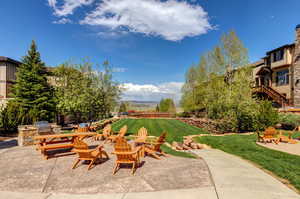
(25, 174)
(23, 169)
(284, 147)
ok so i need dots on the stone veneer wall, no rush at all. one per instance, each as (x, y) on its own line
(26, 133)
(296, 70)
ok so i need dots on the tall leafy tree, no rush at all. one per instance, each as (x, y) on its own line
(85, 94)
(167, 105)
(223, 86)
(32, 92)
(123, 107)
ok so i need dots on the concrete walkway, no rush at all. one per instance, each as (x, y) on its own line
(235, 178)
(284, 147)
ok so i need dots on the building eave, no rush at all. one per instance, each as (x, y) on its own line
(7, 59)
(281, 47)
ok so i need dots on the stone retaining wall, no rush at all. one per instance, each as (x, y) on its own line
(207, 124)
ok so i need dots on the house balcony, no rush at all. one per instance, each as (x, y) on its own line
(281, 63)
(286, 58)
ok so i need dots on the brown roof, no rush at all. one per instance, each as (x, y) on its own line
(258, 63)
(281, 47)
(7, 59)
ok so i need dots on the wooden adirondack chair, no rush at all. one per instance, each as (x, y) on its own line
(287, 139)
(154, 148)
(141, 135)
(126, 155)
(122, 132)
(106, 131)
(84, 153)
(270, 135)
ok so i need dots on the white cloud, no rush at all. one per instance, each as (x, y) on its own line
(68, 6)
(173, 20)
(151, 92)
(118, 70)
(62, 21)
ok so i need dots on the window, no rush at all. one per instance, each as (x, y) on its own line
(278, 55)
(282, 77)
(257, 82)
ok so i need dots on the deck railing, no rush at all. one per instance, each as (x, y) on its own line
(276, 96)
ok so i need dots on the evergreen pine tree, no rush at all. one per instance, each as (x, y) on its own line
(32, 93)
(157, 108)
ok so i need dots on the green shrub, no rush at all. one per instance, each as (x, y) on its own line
(266, 116)
(10, 117)
(289, 121)
(183, 114)
(227, 124)
(247, 116)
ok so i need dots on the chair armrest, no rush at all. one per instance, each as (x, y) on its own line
(154, 143)
(134, 136)
(83, 150)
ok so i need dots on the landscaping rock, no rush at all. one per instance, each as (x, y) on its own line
(179, 146)
(194, 145)
(207, 124)
(185, 147)
(188, 141)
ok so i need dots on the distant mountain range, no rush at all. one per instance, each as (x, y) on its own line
(142, 102)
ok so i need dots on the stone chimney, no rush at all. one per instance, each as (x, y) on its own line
(296, 70)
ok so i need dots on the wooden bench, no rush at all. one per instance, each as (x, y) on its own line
(48, 143)
(47, 148)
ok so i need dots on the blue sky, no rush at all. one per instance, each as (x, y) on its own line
(150, 49)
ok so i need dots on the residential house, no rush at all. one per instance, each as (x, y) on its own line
(277, 75)
(8, 68)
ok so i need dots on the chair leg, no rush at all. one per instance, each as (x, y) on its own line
(164, 154)
(153, 153)
(91, 163)
(115, 169)
(133, 168)
(76, 163)
(105, 154)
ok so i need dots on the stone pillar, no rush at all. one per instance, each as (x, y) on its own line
(26, 134)
(296, 70)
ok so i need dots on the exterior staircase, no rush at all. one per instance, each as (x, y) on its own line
(273, 94)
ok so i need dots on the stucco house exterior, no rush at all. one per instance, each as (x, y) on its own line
(8, 69)
(277, 75)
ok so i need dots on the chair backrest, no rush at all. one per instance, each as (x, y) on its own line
(123, 131)
(270, 131)
(82, 149)
(82, 129)
(79, 144)
(122, 146)
(107, 130)
(160, 141)
(142, 132)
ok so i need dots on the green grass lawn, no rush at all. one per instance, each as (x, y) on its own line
(175, 131)
(284, 165)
